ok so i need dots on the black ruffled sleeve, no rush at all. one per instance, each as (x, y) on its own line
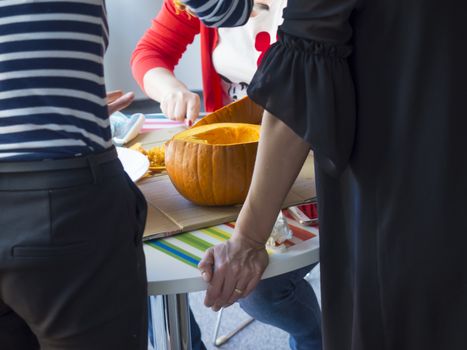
(304, 79)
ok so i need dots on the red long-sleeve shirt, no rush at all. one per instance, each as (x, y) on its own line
(164, 44)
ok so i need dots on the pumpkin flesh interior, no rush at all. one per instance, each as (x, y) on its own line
(221, 134)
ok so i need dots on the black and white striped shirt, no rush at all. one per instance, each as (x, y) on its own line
(52, 91)
(221, 13)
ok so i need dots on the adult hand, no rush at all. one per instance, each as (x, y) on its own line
(117, 100)
(179, 104)
(232, 269)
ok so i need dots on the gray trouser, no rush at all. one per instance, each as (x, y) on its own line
(72, 268)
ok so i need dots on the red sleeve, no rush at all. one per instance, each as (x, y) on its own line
(165, 42)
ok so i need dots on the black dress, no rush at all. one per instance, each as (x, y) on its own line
(379, 90)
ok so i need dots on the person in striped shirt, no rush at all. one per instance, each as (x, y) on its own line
(72, 269)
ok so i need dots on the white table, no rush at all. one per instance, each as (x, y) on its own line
(174, 280)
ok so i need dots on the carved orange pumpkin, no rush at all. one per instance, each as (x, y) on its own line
(212, 163)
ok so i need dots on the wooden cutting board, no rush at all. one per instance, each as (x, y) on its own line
(169, 213)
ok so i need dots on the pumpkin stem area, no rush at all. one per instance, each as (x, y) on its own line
(222, 134)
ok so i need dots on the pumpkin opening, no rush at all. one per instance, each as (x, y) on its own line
(212, 162)
(221, 134)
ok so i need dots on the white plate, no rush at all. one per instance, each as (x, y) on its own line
(134, 163)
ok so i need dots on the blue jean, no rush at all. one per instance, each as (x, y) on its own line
(196, 342)
(288, 302)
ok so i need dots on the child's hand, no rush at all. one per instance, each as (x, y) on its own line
(116, 100)
(181, 104)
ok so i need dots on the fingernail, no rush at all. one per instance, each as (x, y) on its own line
(204, 276)
(188, 122)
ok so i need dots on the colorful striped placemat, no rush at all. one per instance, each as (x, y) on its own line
(189, 247)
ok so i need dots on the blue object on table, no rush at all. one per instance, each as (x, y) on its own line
(125, 128)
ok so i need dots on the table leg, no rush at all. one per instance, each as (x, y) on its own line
(177, 321)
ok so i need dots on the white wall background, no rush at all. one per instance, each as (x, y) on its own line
(128, 20)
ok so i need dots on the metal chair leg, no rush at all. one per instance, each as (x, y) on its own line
(221, 340)
(218, 325)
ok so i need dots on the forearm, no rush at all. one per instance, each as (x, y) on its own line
(234, 268)
(280, 157)
(159, 82)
